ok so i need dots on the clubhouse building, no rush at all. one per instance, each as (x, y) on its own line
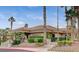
(39, 30)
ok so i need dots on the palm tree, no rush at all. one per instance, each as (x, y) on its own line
(76, 8)
(78, 27)
(67, 18)
(71, 15)
(58, 21)
(11, 20)
(44, 17)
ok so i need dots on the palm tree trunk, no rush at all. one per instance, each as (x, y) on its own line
(78, 28)
(44, 17)
(11, 30)
(57, 23)
(66, 19)
(11, 25)
(72, 27)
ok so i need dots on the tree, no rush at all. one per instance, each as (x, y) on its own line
(76, 8)
(44, 17)
(58, 22)
(11, 20)
(67, 18)
(71, 14)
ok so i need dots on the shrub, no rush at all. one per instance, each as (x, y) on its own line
(31, 40)
(64, 42)
(62, 38)
(49, 35)
(69, 42)
(16, 42)
(53, 39)
(59, 43)
(68, 38)
(35, 39)
(39, 40)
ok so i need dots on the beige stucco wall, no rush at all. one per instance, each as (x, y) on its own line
(41, 34)
(36, 34)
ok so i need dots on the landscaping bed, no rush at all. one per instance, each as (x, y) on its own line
(36, 40)
(64, 41)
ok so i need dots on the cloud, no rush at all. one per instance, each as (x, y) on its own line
(18, 24)
(35, 17)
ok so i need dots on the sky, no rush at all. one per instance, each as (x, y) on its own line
(31, 15)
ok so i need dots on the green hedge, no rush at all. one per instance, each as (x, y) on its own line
(39, 40)
(64, 41)
(60, 43)
(35, 39)
(53, 39)
(69, 42)
(31, 40)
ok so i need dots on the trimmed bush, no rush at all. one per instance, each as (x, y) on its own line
(35, 39)
(59, 43)
(53, 39)
(16, 42)
(39, 40)
(62, 38)
(31, 40)
(64, 41)
(69, 42)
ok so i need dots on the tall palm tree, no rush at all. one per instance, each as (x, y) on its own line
(66, 19)
(76, 8)
(44, 17)
(58, 22)
(78, 27)
(71, 15)
(11, 20)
